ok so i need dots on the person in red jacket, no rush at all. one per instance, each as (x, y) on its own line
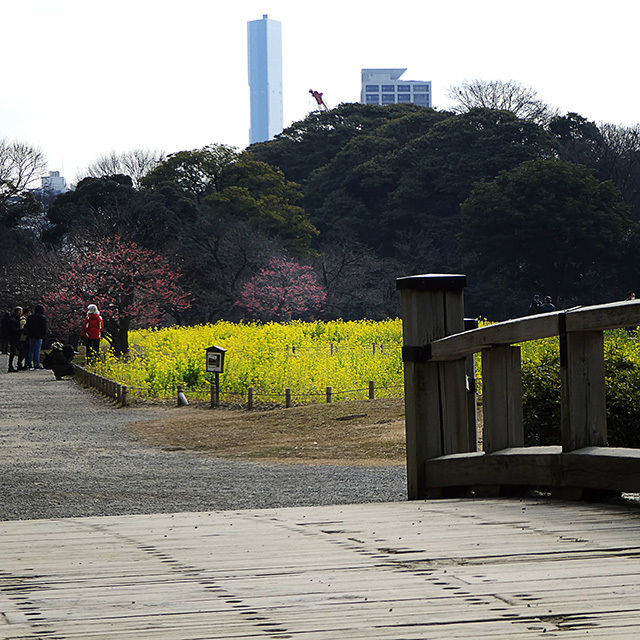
(92, 331)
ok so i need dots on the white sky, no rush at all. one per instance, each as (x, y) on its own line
(83, 77)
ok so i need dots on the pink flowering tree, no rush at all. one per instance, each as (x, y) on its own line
(131, 286)
(281, 291)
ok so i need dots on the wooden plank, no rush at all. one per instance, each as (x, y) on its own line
(606, 468)
(526, 466)
(583, 390)
(502, 398)
(505, 333)
(453, 406)
(449, 569)
(594, 318)
(604, 316)
(603, 468)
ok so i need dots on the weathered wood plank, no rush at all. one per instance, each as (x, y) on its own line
(583, 390)
(505, 333)
(446, 569)
(588, 468)
(594, 318)
(604, 316)
(502, 398)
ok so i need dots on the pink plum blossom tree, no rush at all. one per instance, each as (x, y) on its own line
(283, 290)
(131, 286)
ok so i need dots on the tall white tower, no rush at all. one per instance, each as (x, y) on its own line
(265, 78)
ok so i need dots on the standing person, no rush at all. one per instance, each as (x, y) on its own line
(548, 305)
(535, 306)
(14, 331)
(92, 331)
(4, 332)
(23, 348)
(36, 332)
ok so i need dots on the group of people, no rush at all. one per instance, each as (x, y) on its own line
(540, 306)
(23, 333)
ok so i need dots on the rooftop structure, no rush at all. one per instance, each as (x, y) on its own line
(54, 183)
(384, 86)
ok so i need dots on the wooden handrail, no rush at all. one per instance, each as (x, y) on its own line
(593, 318)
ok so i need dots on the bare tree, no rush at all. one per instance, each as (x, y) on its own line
(503, 95)
(135, 164)
(21, 165)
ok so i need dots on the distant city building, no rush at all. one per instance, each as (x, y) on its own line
(383, 86)
(265, 78)
(54, 183)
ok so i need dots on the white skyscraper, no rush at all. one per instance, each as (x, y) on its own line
(383, 86)
(54, 183)
(265, 78)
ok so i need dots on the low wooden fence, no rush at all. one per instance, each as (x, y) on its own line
(109, 388)
(121, 393)
(442, 442)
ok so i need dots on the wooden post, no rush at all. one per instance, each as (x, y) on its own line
(472, 390)
(372, 390)
(287, 397)
(123, 396)
(502, 398)
(182, 398)
(583, 390)
(329, 395)
(435, 392)
(250, 398)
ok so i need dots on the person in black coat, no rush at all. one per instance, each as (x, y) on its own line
(4, 332)
(36, 328)
(59, 360)
(14, 331)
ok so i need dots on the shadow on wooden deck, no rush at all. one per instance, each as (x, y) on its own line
(439, 569)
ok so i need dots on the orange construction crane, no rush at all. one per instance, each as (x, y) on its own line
(322, 105)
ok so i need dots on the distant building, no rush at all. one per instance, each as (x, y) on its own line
(383, 86)
(265, 78)
(54, 183)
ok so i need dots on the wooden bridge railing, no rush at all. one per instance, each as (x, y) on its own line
(442, 449)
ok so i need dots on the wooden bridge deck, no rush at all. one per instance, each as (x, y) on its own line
(436, 569)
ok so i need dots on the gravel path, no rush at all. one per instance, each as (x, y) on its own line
(65, 452)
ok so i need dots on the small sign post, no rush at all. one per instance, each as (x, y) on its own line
(215, 365)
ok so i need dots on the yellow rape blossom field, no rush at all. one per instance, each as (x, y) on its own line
(306, 357)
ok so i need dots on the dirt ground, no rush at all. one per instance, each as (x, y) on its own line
(365, 432)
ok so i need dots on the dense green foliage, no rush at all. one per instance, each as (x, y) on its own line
(365, 194)
(541, 389)
(395, 188)
(550, 226)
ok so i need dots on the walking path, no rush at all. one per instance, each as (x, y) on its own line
(66, 452)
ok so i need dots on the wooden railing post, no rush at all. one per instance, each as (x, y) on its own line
(502, 398)
(583, 390)
(472, 390)
(435, 392)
